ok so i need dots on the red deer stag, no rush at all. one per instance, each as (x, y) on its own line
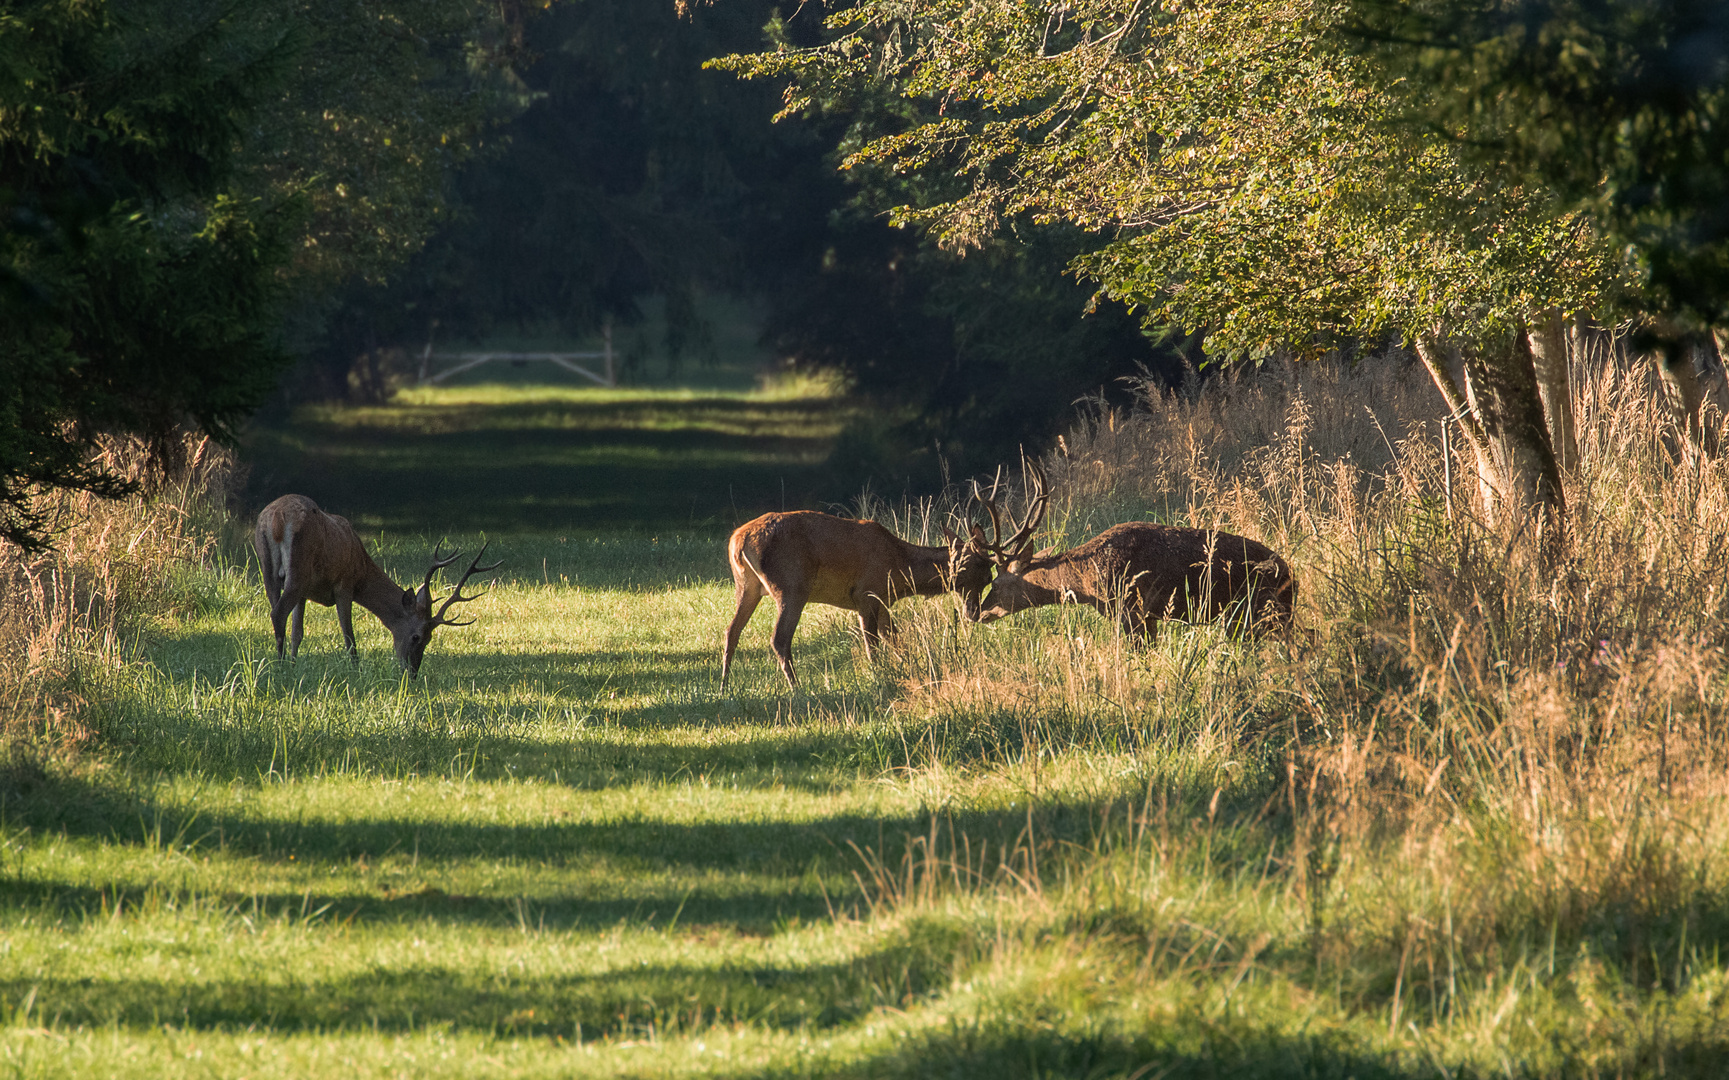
(1139, 573)
(803, 557)
(307, 554)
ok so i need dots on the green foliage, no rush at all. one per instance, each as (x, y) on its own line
(169, 174)
(1239, 168)
(378, 104)
(1617, 107)
(137, 288)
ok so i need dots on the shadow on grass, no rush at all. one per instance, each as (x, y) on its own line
(555, 465)
(1201, 1042)
(645, 999)
(629, 846)
(1196, 1046)
(1037, 1041)
(746, 913)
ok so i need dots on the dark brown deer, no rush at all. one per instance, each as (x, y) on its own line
(307, 554)
(803, 557)
(1139, 573)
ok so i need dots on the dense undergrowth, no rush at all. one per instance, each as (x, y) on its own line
(1469, 819)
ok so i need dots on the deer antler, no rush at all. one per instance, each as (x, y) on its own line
(456, 593)
(1016, 546)
(438, 564)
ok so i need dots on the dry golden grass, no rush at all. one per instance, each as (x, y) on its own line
(108, 571)
(1483, 751)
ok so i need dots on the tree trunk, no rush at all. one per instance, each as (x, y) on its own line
(1502, 416)
(1440, 357)
(1549, 356)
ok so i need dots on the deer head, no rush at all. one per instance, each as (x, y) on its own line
(1008, 554)
(970, 568)
(414, 630)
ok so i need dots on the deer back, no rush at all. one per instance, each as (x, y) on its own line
(1168, 571)
(826, 559)
(320, 551)
(839, 561)
(1152, 572)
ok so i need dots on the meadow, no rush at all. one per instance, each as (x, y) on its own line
(1468, 820)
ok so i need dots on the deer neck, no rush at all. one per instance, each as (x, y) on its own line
(382, 596)
(1060, 579)
(927, 568)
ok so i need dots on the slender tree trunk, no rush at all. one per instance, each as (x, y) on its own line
(1440, 357)
(1501, 384)
(1502, 417)
(1549, 358)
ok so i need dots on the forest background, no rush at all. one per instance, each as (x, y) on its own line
(336, 195)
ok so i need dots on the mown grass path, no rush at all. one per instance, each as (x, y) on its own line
(555, 458)
(560, 851)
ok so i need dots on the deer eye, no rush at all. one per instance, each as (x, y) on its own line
(414, 639)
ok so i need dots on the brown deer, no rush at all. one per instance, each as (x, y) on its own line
(802, 557)
(307, 554)
(1139, 573)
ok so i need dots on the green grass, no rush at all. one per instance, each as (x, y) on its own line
(1021, 850)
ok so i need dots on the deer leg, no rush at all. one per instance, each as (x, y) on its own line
(299, 629)
(272, 593)
(788, 608)
(876, 623)
(272, 583)
(345, 617)
(279, 621)
(747, 596)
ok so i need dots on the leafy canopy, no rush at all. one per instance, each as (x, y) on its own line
(170, 172)
(1618, 107)
(1241, 165)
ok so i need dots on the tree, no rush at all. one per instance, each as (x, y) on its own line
(1614, 106)
(164, 171)
(1242, 173)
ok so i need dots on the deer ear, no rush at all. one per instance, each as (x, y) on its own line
(407, 599)
(423, 601)
(948, 534)
(978, 536)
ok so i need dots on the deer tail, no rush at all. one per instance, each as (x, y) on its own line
(744, 557)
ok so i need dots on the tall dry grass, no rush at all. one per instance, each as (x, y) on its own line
(72, 610)
(1467, 758)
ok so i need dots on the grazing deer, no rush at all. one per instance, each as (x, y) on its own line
(1139, 573)
(307, 554)
(803, 557)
